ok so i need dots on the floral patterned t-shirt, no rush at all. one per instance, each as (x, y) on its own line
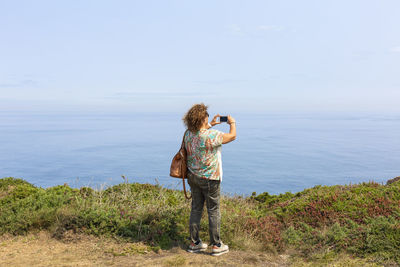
(204, 153)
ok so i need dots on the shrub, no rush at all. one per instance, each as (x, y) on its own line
(361, 220)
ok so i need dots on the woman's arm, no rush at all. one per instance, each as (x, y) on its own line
(229, 137)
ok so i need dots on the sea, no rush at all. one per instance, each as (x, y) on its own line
(273, 152)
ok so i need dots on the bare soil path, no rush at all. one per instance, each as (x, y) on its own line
(41, 249)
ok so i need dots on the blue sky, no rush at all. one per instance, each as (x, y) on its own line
(248, 56)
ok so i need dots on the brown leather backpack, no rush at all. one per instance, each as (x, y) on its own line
(179, 167)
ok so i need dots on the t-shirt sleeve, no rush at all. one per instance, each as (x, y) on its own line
(216, 138)
(186, 140)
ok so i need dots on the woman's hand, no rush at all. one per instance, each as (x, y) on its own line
(214, 120)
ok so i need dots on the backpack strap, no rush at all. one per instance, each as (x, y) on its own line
(183, 173)
(184, 190)
(183, 140)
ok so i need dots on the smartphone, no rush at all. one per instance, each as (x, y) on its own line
(223, 118)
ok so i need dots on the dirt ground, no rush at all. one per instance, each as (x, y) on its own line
(41, 249)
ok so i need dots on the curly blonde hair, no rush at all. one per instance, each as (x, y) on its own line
(194, 118)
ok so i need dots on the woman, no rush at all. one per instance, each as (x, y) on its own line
(203, 146)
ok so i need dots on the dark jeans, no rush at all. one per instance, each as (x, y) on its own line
(208, 191)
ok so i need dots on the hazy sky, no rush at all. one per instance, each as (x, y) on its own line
(340, 55)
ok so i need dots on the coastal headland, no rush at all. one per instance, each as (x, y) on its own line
(142, 224)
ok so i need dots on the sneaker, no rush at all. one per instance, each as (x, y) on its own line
(219, 249)
(197, 248)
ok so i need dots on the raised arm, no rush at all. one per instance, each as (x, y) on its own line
(229, 137)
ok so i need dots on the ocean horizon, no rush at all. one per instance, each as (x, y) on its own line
(273, 153)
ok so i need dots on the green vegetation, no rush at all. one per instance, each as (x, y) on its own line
(317, 224)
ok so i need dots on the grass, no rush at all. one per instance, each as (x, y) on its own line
(176, 261)
(316, 225)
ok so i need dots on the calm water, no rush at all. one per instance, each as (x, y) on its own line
(274, 153)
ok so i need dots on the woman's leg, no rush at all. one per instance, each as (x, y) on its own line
(197, 208)
(214, 216)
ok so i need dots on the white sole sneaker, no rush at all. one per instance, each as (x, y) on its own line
(216, 254)
(196, 250)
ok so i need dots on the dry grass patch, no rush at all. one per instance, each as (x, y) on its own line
(341, 260)
(176, 261)
(41, 249)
